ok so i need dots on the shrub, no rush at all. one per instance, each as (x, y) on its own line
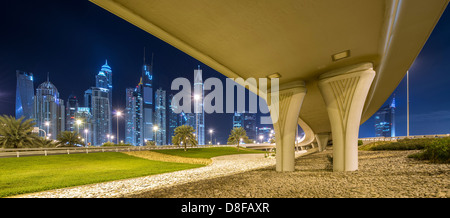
(437, 151)
(108, 144)
(360, 142)
(402, 144)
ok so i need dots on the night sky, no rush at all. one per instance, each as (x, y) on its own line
(72, 39)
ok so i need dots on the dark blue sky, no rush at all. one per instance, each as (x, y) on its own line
(72, 39)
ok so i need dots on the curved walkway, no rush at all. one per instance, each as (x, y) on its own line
(221, 166)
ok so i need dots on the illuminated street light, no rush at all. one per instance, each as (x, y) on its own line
(261, 138)
(85, 136)
(196, 97)
(47, 124)
(210, 135)
(118, 114)
(155, 128)
(78, 122)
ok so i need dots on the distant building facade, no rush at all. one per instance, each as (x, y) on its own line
(198, 107)
(71, 110)
(99, 104)
(385, 121)
(85, 129)
(146, 90)
(246, 121)
(160, 117)
(24, 95)
(134, 117)
(49, 110)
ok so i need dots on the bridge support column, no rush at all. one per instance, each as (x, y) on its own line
(322, 140)
(285, 120)
(344, 92)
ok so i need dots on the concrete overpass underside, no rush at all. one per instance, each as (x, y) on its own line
(337, 61)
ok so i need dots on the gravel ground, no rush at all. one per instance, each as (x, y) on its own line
(381, 174)
(221, 166)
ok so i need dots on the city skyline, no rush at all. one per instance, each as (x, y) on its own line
(73, 55)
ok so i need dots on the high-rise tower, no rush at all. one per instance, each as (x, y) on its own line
(49, 110)
(134, 117)
(98, 99)
(198, 106)
(24, 95)
(160, 116)
(146, 89)
(71, 110)
(385, 121)
(104, 80)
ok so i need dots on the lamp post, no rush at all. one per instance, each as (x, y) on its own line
(118, 114)
(155, 128)
(407, 104)
(78, 122)
(48, 126)
(210, 135)
(261, 138)
(85, 136)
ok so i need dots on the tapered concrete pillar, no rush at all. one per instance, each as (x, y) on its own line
(322, 140)
(345, 91)
(285, 118)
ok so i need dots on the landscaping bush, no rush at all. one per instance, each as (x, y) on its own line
(402, 144)
(437, 151)
(108, 144)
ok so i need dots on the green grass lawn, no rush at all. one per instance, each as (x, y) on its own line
(39, 173)
(208, 152)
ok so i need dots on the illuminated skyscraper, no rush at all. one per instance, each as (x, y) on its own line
(385, 121)
(49, 110)
(24, 95)
(134, 117)
(97, 99)
(146, 89)
(238, 120)
(86, 128)
(104, 79)
(71, 109)
(198, 106)
(160, 116)
(247, 121)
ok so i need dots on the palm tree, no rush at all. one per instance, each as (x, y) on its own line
(42, 142)
(184, 134)
(237, 135)
(69, 139)
(16, 133)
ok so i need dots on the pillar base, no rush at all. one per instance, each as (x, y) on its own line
(322, 140)
(290, 99)
(344, 92)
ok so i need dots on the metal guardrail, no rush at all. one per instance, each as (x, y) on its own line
(20, 152)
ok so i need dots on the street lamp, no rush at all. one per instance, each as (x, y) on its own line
(155, 128)
(78, 124)
(210, 135)
(261, 138)
(118, 114)
(85, 136)
(47, 124)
